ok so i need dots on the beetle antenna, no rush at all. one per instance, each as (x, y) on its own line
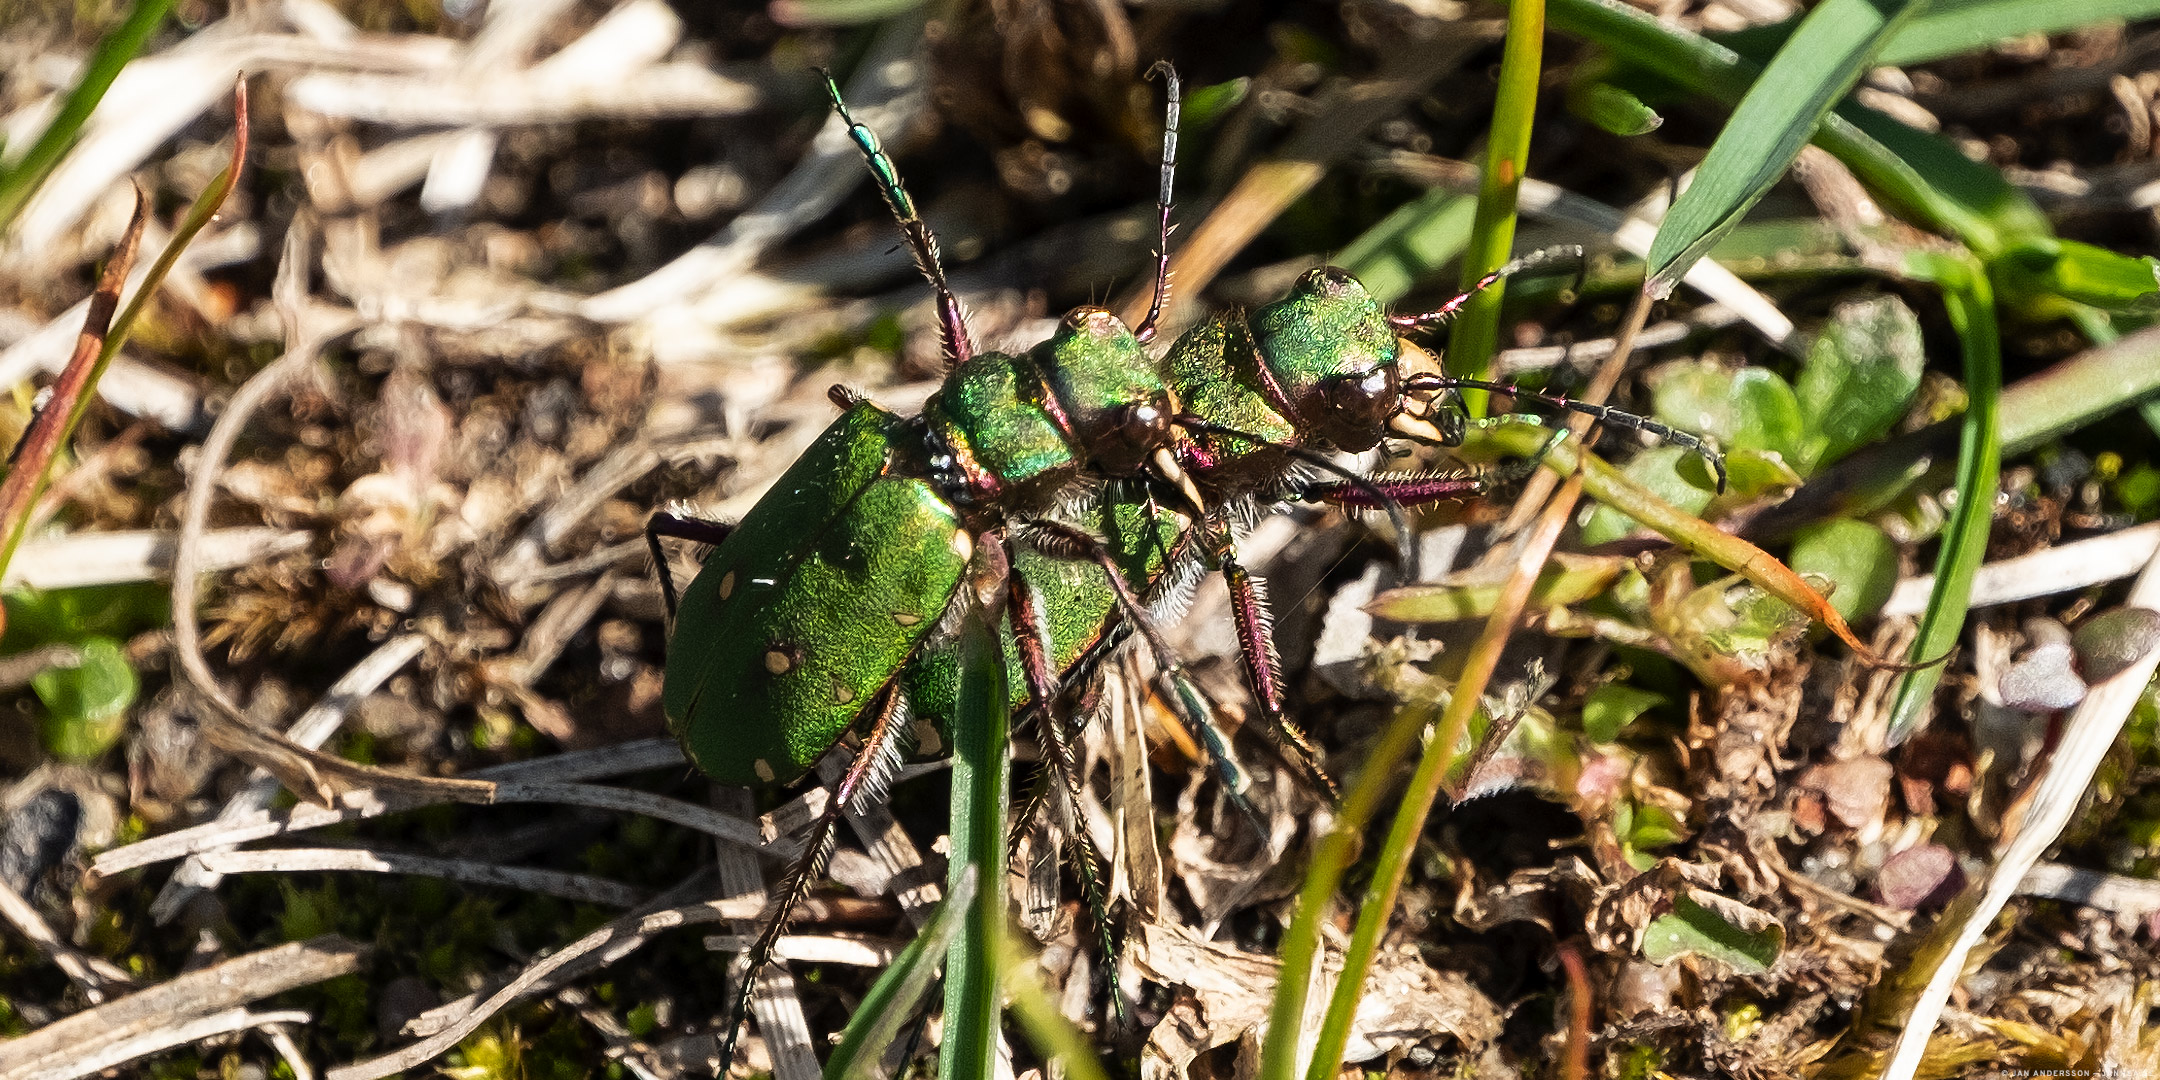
(1445, 312)
(1146, 330)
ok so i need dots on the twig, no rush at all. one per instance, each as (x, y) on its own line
(92, 973)
(308, 773)
(2109, 892)
(180, 1010)
(364, 803)
(2059, 569)
(581, 887)
(816, 948)
(1896, 920)
(662, 90)
(2086, 737)
(776, 1004)
(1575, 1060)
(111, 558)
(312, 730)
(611, 942)
(915, 884)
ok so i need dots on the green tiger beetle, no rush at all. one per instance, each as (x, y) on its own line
(1074, 493)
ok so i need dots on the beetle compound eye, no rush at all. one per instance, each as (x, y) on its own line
(1354, 409)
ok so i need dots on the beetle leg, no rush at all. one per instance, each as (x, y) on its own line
(680, 527)
(1403, 490)
(1263, 668)
(1184, 697)
(1032, 638)
(865, 777)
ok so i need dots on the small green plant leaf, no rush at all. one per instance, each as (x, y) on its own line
(1614, 706)
(1860, 558)
(1750, 408)
(87, 704)
(1207, 104)
(899, 991)
(1749, 474)
(1612, 108)
(40, 616)
(1643, 825)
(1833, 46)
(1694, 929)
(1861, 374)
(1659, 471)
(2111, 642)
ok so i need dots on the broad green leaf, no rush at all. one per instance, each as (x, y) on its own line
(1860, 377)
(1857, 556)
(1749, 474)
(1657, 470)
(1833, 46)
(87, 705)
(1694, 928)
(1749, 408)
(1614, 706)
(1642, 826)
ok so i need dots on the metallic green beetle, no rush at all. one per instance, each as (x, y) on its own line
(1082, 483)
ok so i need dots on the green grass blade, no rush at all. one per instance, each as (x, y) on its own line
(19, 182)
(899, 992)
(76, 389)
(1331, 859)
(1476, 332)
(1055, 1037)
(1832, 48)
(1421, 236)
(980, 782)
(1921, 175)
(1971, 302)
(1952, 27)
